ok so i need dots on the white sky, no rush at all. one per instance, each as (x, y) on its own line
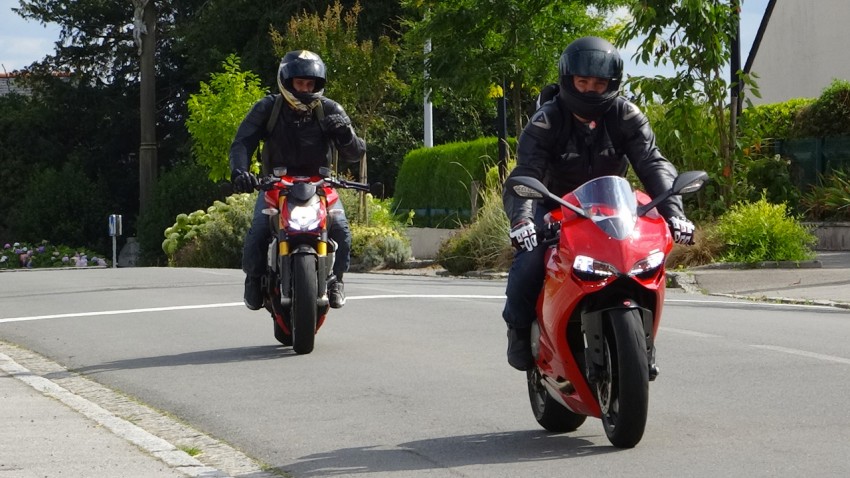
(23, 42)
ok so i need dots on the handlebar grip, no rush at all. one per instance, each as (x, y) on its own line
(353, 185)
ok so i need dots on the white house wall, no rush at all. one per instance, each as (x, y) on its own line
(805, 46)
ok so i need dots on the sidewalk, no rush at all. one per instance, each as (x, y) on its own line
(52, 428)
(824, 281)
(49, 432)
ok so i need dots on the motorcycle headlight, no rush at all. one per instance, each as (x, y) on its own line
(589, 269)
(648, 266)
(304, 218)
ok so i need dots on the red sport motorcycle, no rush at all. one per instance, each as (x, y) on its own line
(600, 307)
(300, 253)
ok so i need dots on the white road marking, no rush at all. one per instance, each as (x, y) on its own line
(237, 304)
(803, 353)
(362, 297)
(119, 312)
(690, 332)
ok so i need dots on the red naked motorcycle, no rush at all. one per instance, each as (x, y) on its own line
(600, 307)
(300, 253)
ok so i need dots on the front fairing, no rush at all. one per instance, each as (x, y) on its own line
(612, 241)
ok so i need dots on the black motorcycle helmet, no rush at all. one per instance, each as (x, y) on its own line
(589, 56)
(301, 64)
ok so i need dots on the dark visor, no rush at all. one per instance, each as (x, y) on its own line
(594, 63)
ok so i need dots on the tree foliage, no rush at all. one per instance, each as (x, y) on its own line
(360, 73)
(216, 112)
(695, 38)
(475, 45)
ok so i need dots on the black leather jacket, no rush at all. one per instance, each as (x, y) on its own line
(297, 140)
(564, 153)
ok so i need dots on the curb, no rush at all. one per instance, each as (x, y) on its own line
(787, 300)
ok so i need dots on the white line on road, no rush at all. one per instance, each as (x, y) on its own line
(803, 353)
(236, 304)
(119, 312)
(690, 332)
(362, 297)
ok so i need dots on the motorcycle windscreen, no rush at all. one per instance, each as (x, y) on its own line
(610, 203)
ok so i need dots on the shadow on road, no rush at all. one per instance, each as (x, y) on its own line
(449, 452)
(237, 354)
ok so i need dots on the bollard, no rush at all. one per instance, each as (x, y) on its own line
(115, 229)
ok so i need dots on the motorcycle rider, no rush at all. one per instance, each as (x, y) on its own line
(586, 131)
(299, 139)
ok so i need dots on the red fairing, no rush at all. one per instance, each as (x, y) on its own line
(564, 292)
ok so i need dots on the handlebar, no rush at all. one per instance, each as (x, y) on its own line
(267, 183)
(550, 233)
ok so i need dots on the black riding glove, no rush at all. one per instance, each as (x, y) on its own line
(338, 127)
(243, 181)
(524, 235)
(682, 230)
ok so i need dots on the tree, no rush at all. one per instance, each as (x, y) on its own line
(216, 112)
(695, 37)
(360, 73)
(475, 44)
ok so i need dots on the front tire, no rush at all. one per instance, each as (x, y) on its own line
(305, 291)
(548, 412)
(624, 389)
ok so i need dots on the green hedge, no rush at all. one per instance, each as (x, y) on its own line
(438, 179)
(770, 121)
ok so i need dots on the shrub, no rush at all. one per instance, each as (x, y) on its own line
(760, 231)
(439, 179)
(761, 124)
(183, 189)
(24, 255)
(828, 115)
(385, 252)
(831, 201)
(211, 238)
(484, 244)
(367, 239)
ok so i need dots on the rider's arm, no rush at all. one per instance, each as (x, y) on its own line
(355, 148)
(249, 134)
(655, 172)
(536, 148)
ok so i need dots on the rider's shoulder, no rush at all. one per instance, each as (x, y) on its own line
(547, 119)
(626, 114)
(332, 107)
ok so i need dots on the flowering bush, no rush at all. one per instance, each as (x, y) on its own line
(22, 255)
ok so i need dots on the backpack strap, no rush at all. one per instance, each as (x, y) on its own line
(272, 121)
(319, 113)
(278, 102)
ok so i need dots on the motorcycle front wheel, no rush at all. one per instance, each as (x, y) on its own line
(623, 391)
(305, 292)
(548, 412)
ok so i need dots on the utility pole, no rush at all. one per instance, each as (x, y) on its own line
(735, 80)
(502, 131)
(144, 35)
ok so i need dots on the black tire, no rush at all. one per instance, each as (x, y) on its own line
(548, 412)
(624, 390)
(305, 294)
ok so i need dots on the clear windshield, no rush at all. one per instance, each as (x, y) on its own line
(610, 202)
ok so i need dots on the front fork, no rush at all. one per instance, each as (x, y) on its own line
(592, 328)
(279, 261)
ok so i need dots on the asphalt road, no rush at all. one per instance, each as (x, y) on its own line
(409, 379)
